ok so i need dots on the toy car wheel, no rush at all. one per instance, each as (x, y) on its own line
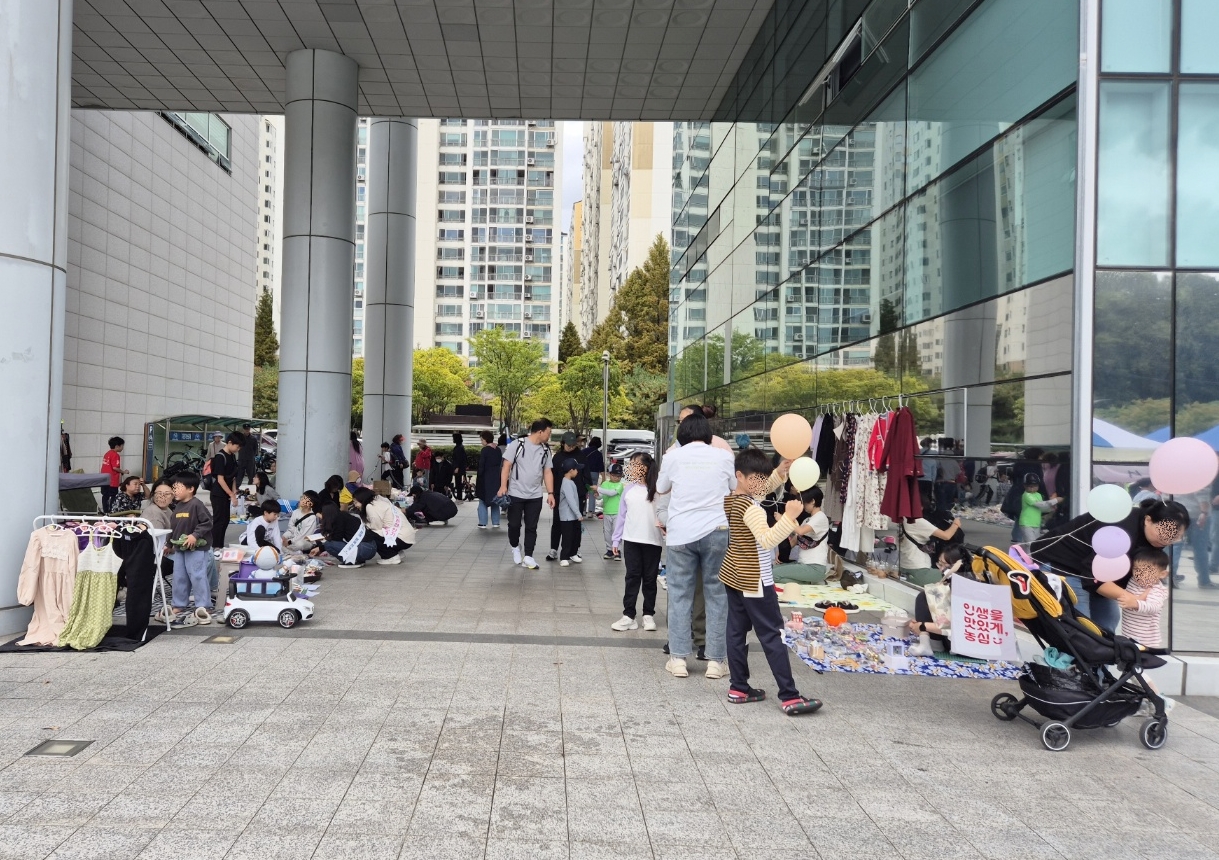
(1055, 736)
(1154, 733)
(288, 619)
(1003, 706)
(238, 618)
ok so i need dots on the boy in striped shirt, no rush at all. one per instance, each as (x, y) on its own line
(750, 586)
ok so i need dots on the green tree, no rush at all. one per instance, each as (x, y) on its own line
(582, 383)
(266, 391)
(441, 381)
(643, 302)
(644, 392)
(508, 368)
(607, 335)
(569, 343)
(885, 357)
(266, 344)
(357, 393)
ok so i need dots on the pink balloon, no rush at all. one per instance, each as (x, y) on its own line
(1183, 465)
(791, 435)
(1111, 542)
(1109, 569)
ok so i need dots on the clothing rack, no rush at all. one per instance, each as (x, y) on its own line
(841, 407)
(158, 541)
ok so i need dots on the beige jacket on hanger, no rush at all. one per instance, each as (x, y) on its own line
(47, 580)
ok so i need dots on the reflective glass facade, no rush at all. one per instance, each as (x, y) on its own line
(904, 225)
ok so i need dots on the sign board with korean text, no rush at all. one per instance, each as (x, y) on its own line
(982, 624)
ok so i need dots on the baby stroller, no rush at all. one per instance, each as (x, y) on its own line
(1087, 696)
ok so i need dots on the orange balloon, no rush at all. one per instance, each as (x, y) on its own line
(835, 616)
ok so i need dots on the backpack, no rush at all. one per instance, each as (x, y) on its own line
(208, 481)
(516, 457)
(1011, 502)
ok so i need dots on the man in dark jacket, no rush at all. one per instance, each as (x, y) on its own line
(458, 459)
(247, 458)
(430, 506)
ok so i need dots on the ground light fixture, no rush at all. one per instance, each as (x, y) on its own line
(58, 748)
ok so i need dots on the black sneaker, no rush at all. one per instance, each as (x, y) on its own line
(609, 556)
(666, 648)
(701, 655)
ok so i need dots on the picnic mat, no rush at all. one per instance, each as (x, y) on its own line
(114, 640)
(864, 647)
(810, 594)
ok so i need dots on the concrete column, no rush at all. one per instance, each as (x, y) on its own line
(389, 278)
(35, 94)
(318, 269)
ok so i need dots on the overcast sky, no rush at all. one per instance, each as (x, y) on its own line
(573, 168)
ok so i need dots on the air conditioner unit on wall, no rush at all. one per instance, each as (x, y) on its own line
(529, 258)
(529, 277)
(528, 219)
(550, 141)
(530, 162)
(528, 315)
(478, 314)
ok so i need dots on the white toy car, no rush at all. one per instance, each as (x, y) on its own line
(265, 600)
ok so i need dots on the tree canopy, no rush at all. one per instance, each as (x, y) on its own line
(266, 344)
(441, 381)
(508, 368)
(569, 343)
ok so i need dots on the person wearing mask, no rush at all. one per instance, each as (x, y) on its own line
(442, 474)
(486, 482)
(459, 461)
(526, 478)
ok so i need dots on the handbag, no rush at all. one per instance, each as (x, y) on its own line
(502, 502)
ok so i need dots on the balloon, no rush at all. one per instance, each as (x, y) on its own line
(804, 473)
(1109, 569)
(1183, 465)
(791, 435)
(1109, 503)
(1111, 542)
(835, 616)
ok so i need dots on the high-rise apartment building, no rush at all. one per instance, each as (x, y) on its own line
(573, 255)
(270, 210)
(487, 237)
(627, 187)
(357, 313)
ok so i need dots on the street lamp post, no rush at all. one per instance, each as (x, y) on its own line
(605, 365)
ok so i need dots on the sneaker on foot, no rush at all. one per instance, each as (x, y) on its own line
(494, 525)
(663, 582)
(564, 563)
(702, 652)
(345, 566)
(625, 623)
(481, 526)
(609, 555)
(516, 555)
(576, 559)
(393, 559)
(716, 670)
(553, 555)
(665, 649)
(677, 667)
(530, 563)
(649, 623)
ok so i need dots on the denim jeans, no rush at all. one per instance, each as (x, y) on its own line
(1105, 612)
(364, 551)
(190, 578)
(1199, 540)
(686, 564)
(483, 508)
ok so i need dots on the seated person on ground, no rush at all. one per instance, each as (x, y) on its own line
(263, 530)
(430, 506)
(933, 605)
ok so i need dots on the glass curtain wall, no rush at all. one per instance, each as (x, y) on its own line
(1157, 282)
(895, 217)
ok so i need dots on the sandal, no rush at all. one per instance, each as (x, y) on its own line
(203, 615)
(800, 705)
(740, 697)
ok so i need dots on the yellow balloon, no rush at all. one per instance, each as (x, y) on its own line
(804, 473)
(791, 435)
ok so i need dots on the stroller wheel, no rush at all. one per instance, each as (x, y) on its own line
(1154, 733)
(1055, 736)
(1004, 707)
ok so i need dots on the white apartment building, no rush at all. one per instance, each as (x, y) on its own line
(487, 235)
(627, 203)
(270, 210)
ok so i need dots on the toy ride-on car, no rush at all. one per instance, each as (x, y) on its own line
(265, 600)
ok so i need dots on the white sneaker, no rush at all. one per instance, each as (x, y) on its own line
(393, 559)
(564, 563)
(530, 563)
(663, 582)
(350, 566)
(494, 525)
(677, 667)
(516, 555)
(626, 623)
(577, 559)
(481, 526)
(716, 670)
(553, 555)
(649, 623)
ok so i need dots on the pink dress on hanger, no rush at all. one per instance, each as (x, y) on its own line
(47, 580)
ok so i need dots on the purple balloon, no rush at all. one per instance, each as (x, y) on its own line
(1111, 542)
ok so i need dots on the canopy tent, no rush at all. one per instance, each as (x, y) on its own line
(1106, 435)
(188, 434)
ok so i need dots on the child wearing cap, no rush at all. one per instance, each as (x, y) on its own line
(1032, 506)
(610, 491)
(569, 514)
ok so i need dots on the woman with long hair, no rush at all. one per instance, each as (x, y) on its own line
(355, 455)
(390, 528)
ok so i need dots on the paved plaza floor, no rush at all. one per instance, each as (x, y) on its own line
(457, 707)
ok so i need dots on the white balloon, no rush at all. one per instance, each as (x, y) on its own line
(1109, 503)
(804, 473)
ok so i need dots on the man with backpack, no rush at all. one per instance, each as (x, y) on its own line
(220, 477)
(526, 479)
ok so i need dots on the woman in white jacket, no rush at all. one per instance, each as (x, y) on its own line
(386, 522)
(638, 531)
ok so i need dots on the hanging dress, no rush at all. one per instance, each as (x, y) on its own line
(92, 597)
(47, 579)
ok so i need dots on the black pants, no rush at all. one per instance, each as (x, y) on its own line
(221, 505)
(642, 561)
(556, 530)
(139, 569)
(922, 612)
(108, 494)
(528, 510)
(386, 551)
(762, 615)
(247, 468)
(571, 537)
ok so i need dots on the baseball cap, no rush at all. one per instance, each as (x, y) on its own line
(568, 464)
(569, 438)
(1031, 478)
(616, 469)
